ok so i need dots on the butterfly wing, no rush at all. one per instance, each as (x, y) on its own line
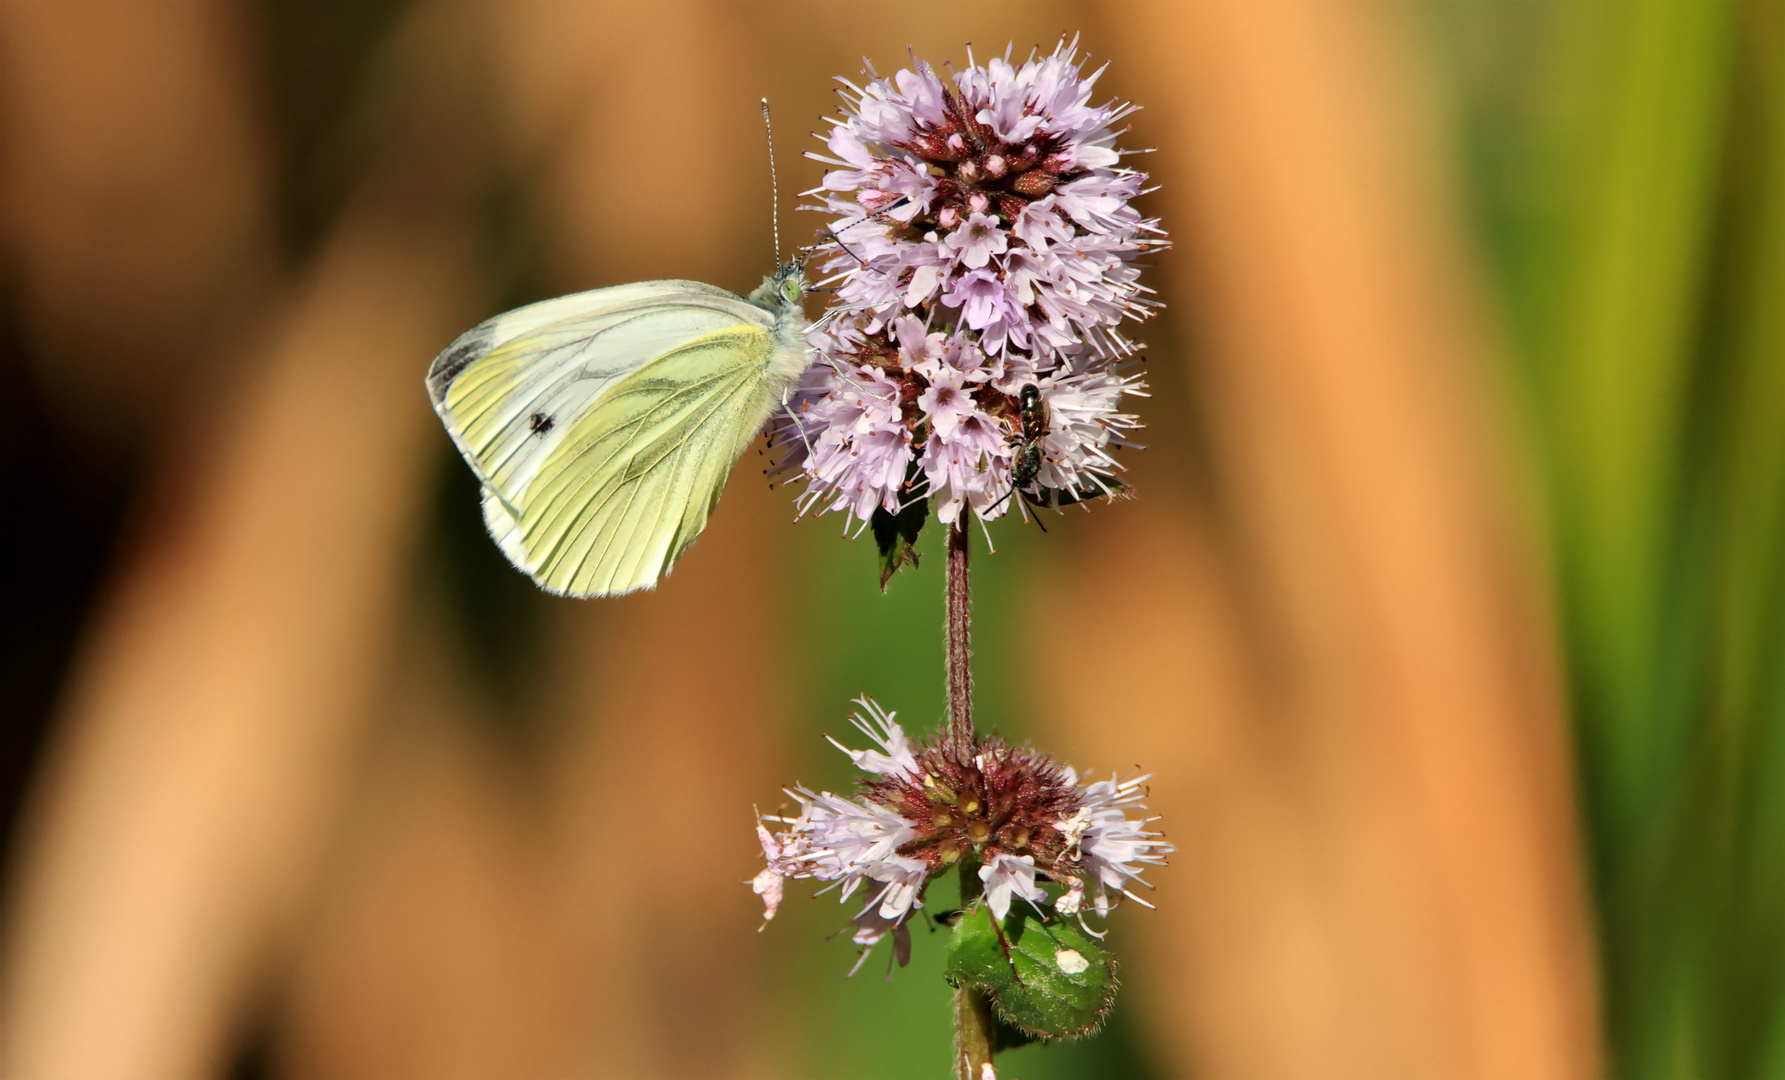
(634, 481)
(603, 425)
(508, 389)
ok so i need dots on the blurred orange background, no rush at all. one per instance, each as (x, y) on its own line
(303, 780)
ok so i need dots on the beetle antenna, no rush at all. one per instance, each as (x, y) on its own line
(774, 189)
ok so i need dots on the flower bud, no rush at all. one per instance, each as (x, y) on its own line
(977, 202)
(995, 165)
(1035, 184)
(931, 147)
(969, 170)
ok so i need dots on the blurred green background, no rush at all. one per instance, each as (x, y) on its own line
(1626, 170)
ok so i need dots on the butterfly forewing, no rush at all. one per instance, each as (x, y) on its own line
(510, 388)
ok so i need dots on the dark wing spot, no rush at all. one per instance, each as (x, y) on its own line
(540, 423)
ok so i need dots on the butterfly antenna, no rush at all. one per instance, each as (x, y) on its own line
(774, 189)
(839, 242)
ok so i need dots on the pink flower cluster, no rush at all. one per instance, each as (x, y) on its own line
(1020, 819)
(984, 242)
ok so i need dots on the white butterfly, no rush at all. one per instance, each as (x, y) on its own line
(604, 424)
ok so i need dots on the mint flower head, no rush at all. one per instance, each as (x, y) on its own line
(983, 252)
(985, 262)
(1013, 817)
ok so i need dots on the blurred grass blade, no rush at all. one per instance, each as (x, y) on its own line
(1659, 340)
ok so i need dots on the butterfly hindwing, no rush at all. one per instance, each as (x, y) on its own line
(633, 481)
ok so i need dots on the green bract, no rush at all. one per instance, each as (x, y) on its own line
(1049, 979)
(896, 534)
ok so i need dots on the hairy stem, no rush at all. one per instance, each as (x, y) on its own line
(972, 1033)
(973, 1026)
(957, 638)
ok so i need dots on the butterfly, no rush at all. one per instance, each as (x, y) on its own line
(604, 424)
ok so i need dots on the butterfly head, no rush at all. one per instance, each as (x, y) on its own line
(782, 289)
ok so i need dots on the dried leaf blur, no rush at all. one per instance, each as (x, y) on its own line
(1450, 615)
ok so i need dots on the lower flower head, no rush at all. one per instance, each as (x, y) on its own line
(1018, 819)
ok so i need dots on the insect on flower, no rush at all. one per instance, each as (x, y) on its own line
(1034, 428)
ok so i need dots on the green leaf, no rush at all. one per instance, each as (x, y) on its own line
(896, 534)
(1047, 979)
(1007, 1036)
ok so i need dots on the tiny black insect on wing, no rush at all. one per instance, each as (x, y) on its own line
(539, 423)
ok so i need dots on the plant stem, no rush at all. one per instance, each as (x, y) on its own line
(972, 1033)
(973, 1025)
(957, 638)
